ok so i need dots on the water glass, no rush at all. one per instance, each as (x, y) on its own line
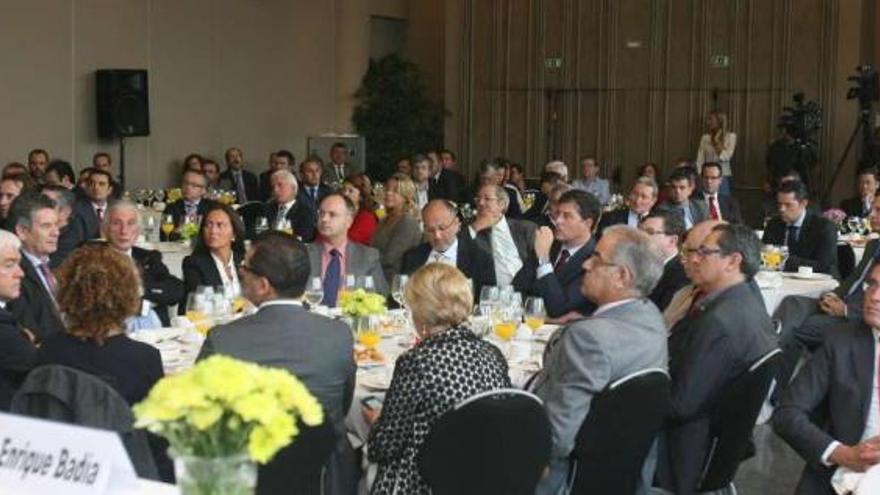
(397, 287)
(314, 291)
(534, 312)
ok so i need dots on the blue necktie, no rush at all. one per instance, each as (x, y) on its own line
(331, 279)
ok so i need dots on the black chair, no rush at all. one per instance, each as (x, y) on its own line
(249, 213)
(68, 395)
(494, 442)
(846, 260)
(733, 420)
(299, 468)
(614, 440)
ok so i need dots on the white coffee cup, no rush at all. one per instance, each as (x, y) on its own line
(805, 270)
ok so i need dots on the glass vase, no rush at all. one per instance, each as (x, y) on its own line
(233, 475)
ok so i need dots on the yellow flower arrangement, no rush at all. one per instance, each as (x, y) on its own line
(359, 302)
(174, 194)
(223, 406)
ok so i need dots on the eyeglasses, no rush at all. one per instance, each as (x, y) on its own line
(701, 251)
(442, 228)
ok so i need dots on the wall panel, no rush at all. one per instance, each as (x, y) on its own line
(636, 79)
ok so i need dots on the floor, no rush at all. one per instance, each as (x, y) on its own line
(775, 469)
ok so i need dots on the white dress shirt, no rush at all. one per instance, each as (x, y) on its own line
(229, 282)
(449, 257)
(505, 254)
(545, 269)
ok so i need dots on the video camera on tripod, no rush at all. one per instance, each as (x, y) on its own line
(867, 87)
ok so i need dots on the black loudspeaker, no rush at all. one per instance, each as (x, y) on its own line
(123, 104)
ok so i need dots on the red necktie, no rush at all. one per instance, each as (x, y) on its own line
(49, 276)
(563, 257)
(713, 208)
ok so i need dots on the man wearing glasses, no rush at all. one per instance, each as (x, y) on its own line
(725, 331)
(193, 185)
(721, 206)
(446, 244)
(624, 335)
(665, 229)
(510, 242)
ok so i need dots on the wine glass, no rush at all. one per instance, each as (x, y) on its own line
(167, 225)
(368, 332)
(149, 227)
(535, 312)
(314, 291)
(159, 195)
(854, 224)
(366, 282)
(397, 286)
(505, 323)
(350, 283)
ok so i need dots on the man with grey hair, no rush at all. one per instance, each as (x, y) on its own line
(725, 332)
(17, 350)
(284, 207)
(70, 234)
(639, 202)
(121, 228)
(558, 167)
(624, 335)
(36, 223)
(510, 242)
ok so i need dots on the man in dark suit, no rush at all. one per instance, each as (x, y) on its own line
(721, 206)
(89, 210)
(666, 229)
(510, 242)
(242, 182)
(447, 244)
(640, 201)
(682, 200)
(446, 183)
(279, 160)
(70, 235)
(285, 206)
(313, 190)
(866, 185)
(192, 204)
(338, 168)
(826, 413)
(539, 213)
(625, 335)
(121, 229)
(283, 334)
(805, 321)
(17, 351)
(561, 253)
(36, 224)
(810, 238)
(726, 330)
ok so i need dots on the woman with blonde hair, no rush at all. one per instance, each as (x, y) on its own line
(449, 365)
(400, 230)
(717, 145)
(98, 289)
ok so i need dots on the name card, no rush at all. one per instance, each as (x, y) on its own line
(39, 457)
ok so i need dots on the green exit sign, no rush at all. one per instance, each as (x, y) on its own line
(719, 61)
(553, 63)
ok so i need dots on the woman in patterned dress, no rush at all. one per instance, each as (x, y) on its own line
(449, 365)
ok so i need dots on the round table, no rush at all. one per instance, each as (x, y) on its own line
(775, 286)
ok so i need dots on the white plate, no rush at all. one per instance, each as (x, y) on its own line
(374, 381)
(809, 276)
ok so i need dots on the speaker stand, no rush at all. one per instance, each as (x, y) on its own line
(121, 166)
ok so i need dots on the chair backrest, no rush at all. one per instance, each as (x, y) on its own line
(494, 442)
(733, 420)
(614, 439)
(299, 467)
(249, 212)
(68, 395)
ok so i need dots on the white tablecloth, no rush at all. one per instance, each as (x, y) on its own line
(172, 254)
(775, 290)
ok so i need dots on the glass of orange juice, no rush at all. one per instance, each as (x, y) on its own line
(368, 332)
(535, 313)
(505, 329)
